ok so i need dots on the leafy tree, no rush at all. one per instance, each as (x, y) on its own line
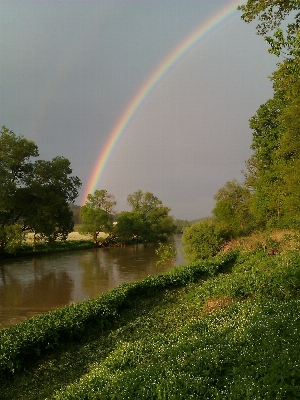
(34, 194)
(131, 227)
(201, 240)
(154, 215)
(52, 197)
(97, 214)
(267, 131)
(269, 12)
(232, 210)
(273, 172)
(103, 200)
(265, 176)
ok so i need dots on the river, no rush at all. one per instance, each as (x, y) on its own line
(32, 286)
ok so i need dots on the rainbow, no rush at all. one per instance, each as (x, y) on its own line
(202, 31)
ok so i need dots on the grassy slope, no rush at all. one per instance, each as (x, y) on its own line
(233, 336)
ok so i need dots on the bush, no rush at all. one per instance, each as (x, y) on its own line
(201, 241)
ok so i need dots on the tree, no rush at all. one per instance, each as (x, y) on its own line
(232, 210)
(201, 240)
(97, 214)
(131, 227)
(263, 175)
(269, 12)
(153, 213)
(275, 179)
(34, 194)
(276, 146)
(181, 224)
(103, 200)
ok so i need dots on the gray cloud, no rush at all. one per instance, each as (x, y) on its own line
(70, 68)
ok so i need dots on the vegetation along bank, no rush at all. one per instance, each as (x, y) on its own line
(226, 327)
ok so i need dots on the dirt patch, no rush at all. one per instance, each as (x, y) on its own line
(215, 304)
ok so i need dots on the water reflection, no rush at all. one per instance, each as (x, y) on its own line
(20, 299)
(32, 286)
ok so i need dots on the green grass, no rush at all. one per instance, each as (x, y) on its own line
(232, 332)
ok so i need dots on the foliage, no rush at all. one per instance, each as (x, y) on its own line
(255, 275)
(273, 168)
(232, 210)
(97, 214)
(270, 13)
(158, 224)
(235, 349)
(34, 194)
(13, 236)
(181, 224)
(166, 254)
(131, 227)
(201, 240)
(275, 200)
(101, 199)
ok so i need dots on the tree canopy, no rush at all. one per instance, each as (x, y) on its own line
(273, 170)
(97, 214)
(35, 195)
(131, 227)
(232, 210)
(148, 221)
(157, 223)
(271, 14)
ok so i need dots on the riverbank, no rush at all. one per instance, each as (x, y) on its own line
(222, 328)
(26, 250)
(75, 241)
(35, 285)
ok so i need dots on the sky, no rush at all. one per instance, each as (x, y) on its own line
(71, 68)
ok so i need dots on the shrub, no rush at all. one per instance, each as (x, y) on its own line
(201, 240)
(166, 253)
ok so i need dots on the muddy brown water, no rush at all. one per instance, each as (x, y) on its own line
(33, 286)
